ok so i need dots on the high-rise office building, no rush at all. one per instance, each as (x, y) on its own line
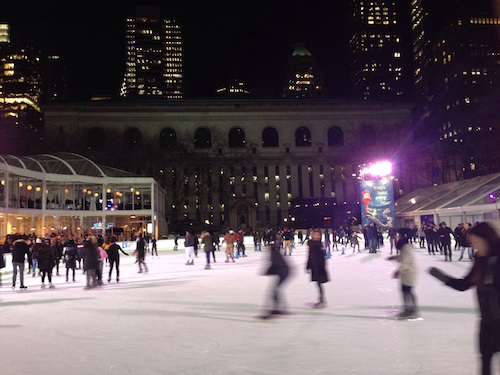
(153, 56)
(55, 86)
(21, 117)
(303, 79)
(377, 51)
(457, 82)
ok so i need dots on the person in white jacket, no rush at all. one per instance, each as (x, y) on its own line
(407, 273)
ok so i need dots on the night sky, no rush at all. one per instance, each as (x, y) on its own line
(250, 40)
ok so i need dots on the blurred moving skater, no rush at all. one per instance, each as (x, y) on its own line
(485, 276)
(407, 272)
(279, 268)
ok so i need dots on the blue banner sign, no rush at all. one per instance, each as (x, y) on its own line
(377, 203)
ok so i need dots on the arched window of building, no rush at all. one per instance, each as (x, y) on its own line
(335, 136)
(236, 137)
(303, 137)
(96, 139)
(202, 138)
(368, 135)
(270, 137)
(168, 136)
(133, 138)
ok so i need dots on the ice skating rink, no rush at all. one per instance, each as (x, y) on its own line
(179, 319)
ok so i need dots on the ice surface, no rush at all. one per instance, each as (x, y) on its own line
(179, 319)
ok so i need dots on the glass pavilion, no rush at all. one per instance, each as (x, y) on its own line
(68, 192)
(472, 200)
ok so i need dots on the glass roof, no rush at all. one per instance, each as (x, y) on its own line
(476, 191)
(62, 163)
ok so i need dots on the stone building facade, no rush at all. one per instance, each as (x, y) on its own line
(240, 163)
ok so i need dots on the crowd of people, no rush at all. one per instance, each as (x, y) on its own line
(43, 256)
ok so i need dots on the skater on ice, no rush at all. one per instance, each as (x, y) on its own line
(407, 273)
(279, 268)
(316, 265)
(485, 276)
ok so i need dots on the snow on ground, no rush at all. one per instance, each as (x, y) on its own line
(179, 319)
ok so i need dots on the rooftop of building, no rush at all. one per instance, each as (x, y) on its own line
(66, 163)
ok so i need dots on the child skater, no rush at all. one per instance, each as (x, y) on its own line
(407, 272)
(316, 265)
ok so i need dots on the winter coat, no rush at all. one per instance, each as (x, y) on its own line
(278, 265)
(206, 238)
(45, 258)
(57, 251)
(408, 267)
(90, 256)
(19, 251)
(229, 239)
(70, 255)
(114, 251)
(444, 235)
(316, 262)
(189, 240)
(102, 254)
(141, 248)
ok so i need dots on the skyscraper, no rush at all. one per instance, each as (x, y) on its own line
(153, 56)
(377, 52)
(457, 82)
(21, 117)
(303, 79)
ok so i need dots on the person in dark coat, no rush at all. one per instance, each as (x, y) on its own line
(485, 276)
(57, 252)
(279, 268)
(70, 256)
(154, 248)
(445, 234)
(91, 261)
(20, 251)
(141, 253)
(316, 265)
(114, 258)
(45, 263)
(206, 239)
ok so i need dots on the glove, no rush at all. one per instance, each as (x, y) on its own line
(438, 274)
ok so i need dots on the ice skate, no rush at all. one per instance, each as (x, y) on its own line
(23, 287)
(43, 286)
(207, 267)
(51, 286)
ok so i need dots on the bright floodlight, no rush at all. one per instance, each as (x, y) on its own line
(382, 169)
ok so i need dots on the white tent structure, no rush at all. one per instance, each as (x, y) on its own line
(472, 200)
